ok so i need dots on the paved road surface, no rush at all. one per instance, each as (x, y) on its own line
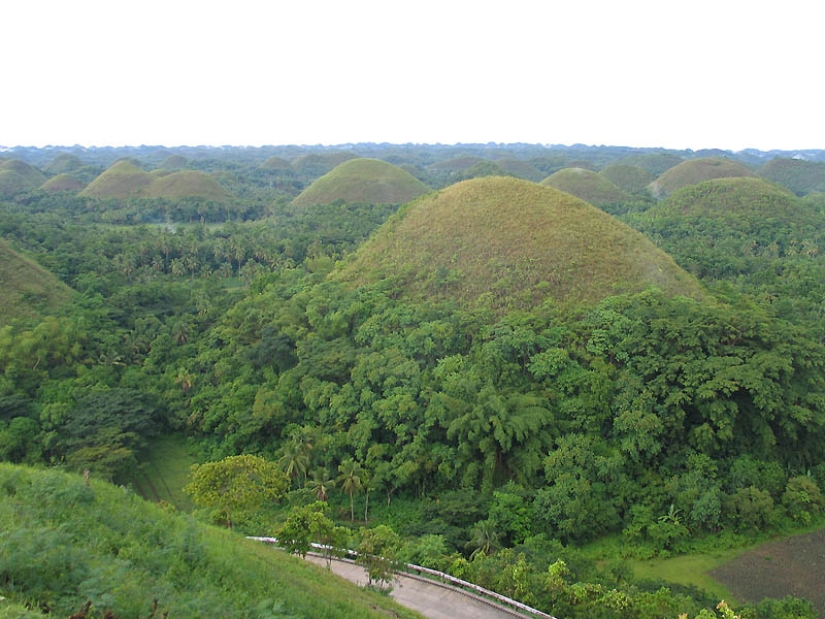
(428, 598)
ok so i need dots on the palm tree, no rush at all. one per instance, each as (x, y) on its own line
(350, 478)
(485, 539)
(321, 484)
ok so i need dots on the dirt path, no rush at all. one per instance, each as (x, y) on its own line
(431, 599)
(793, 566)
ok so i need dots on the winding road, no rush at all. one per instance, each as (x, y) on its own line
(430, 598)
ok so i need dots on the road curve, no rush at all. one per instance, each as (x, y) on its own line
(431, 599)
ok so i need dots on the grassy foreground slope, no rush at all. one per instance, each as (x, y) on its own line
(363, 181)
(27, 288)
(500, 242)
(63, 543)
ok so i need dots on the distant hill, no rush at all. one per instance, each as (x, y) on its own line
(125, 179)
(62, 182)
(65, 542)
(730, 227)
(187, 183)
(655, 163)
(590, 186)
(800, 176)
(28, 290)
(121, 180)
(313, 165)
(363, 181)
(174, 162)
(17, 177)
(276, 164)
(505, 242)
(522, 169)
(630, 178)
(731, 198)
(62, 163)
(696, 171)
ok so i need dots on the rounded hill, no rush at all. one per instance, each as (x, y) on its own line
(187, 183)
(800, 176)
(125, 179)
(587, 185)
(730, 199)
(363, 181)
(734, 228)
(17, 177)
(122, 179)
(696, 171)
(63, 162)
(503, 243)
(629, 178)
(62, 182)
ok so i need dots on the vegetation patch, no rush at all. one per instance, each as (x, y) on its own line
(800, 176)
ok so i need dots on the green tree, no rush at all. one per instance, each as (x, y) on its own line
(236, 485)
(378, 554)
(351, 479)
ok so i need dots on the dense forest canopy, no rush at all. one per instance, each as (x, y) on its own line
(517, 371)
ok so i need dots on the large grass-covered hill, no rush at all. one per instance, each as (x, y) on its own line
(64, 543)
(28, 290)
(632, 179)
(125, 179)
(590, 186)
(363, 181)
(500, 241)
(18, 176)
(695, 171)
(798, 175)
(730, 227)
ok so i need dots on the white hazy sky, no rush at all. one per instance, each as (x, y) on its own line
(695, 74)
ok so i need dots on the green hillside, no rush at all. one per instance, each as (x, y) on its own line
(187, 183)
(63, 543)
(17, 177)
(125, 179)
(62, 182)
(800, 176)
(695, 171)
(630, 178)
(28, 289)
(276, 164)
(314, 165)
(502, 241)
(174, 162)
(731, 227)
(62, 163)
(363, 181)
(591, 187)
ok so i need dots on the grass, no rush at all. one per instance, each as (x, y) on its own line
(505, 243)
(165, 471)
(62, 182)
(687, 570)
(63, 542)
(363, 181)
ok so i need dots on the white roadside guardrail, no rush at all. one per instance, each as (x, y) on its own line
(452, 580)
